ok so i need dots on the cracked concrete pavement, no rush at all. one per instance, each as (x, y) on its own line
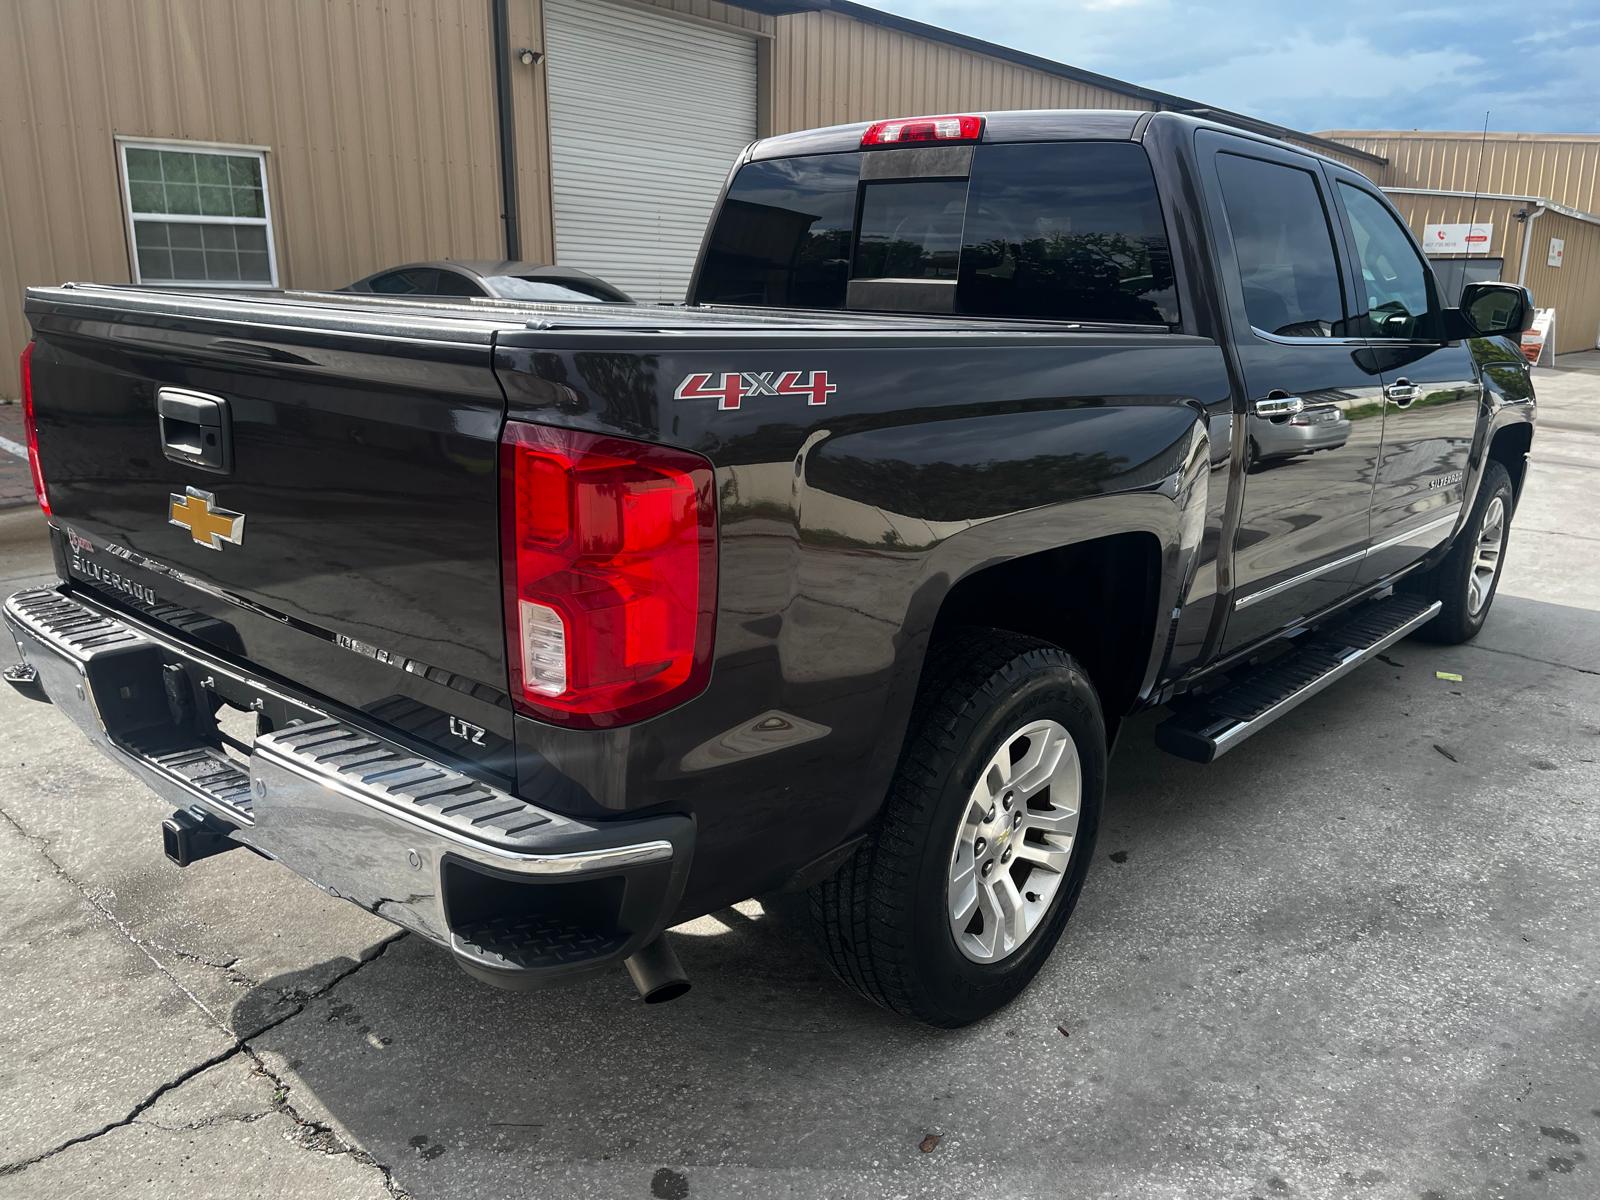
(1355, 958)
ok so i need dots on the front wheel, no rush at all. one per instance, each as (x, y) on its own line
(1465, 580)
(954, 901)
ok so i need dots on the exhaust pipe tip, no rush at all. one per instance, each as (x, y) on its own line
(656, 972)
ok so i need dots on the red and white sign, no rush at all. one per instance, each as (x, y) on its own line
(1558, 250)
(1458, 239)
(1539, 340)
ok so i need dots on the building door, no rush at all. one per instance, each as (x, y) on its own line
(647, 114)
(1431, 391)
(1312, 401)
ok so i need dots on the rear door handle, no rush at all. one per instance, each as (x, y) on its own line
(1279, 405)
(1402, 392)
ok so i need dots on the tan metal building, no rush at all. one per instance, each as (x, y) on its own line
(306, 143)
(1536, 197)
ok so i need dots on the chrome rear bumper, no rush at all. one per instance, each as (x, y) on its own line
(518, 894)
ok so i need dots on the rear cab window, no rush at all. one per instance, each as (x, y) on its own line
(1065, 231)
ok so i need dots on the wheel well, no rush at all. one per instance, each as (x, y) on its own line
(1510, 449)
(1096, 600)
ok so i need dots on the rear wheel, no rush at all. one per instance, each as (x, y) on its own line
(1465, 580)
(956, 898)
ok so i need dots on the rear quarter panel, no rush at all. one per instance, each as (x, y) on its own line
(844, 525)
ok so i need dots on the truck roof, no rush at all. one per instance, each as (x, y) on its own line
(1020, 125)
(1017, 125)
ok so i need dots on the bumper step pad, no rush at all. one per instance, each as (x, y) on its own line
(1205, 727)
(535, 941)
(79, 631)
(382, 771)
(210, 770)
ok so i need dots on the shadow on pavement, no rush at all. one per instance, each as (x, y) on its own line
(1342, 920)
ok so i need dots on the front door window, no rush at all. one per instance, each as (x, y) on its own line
(1399, 295)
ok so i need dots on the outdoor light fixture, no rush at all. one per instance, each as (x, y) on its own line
(529, 57)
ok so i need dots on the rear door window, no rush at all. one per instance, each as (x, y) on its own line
(1284, 246)
(1068, 231)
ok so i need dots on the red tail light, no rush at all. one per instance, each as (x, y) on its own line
(31, 429)
(908, 130)
(610, 575)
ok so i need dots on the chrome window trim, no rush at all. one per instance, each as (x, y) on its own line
(1281, 340)
(1343, 561)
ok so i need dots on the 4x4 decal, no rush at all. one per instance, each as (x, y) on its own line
(733, 387)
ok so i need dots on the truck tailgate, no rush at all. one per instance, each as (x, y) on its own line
(360, 449)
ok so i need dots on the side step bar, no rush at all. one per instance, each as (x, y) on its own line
(1208, 726)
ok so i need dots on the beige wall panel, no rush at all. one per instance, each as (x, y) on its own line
(829, 70)
(1420, 211)
(1573, 288)
(1377, 172)
(1563, 168)
(378, 114)
(711, 10)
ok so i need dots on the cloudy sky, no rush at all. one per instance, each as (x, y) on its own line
(1362, 64)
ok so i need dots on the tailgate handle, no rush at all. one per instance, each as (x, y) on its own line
(196, 429)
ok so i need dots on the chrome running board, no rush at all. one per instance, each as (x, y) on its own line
(1206, 727)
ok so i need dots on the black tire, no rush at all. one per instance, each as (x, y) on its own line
(1449, 581)
(881, 919)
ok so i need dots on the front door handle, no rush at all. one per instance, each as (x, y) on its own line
(1402, 393)
(1279, 405)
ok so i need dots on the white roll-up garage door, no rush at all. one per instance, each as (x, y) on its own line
(647, 113)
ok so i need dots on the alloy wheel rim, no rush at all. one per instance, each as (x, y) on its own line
(1014, 843)
(1486, 556)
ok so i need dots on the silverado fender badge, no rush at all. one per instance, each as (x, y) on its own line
(733, 387)
(208, 524)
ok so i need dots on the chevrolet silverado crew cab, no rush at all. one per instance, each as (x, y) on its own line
(537, 629)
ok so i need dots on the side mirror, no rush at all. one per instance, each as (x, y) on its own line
(1496, 309)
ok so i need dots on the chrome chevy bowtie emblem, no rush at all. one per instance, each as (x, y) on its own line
(208, 524)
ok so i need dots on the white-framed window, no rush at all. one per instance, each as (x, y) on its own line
(198, 213)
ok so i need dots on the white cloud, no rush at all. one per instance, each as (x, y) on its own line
(1559, 33)
(1302, 69)
(1359, 64)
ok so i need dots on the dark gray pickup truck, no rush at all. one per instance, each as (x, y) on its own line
(538, 629)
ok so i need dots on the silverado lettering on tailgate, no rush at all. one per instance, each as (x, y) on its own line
(87, 568)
